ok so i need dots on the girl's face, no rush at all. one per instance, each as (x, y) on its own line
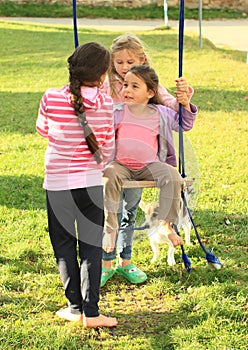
(135, 90)
(124, 60)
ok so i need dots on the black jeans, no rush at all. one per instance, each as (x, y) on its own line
(75, 223)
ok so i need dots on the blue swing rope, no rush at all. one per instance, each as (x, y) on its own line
(181, 168)
(180, 73)
(210, 257)
(74, 13)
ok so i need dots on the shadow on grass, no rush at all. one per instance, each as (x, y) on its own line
(22, 303)
(22, 192)
(29, 261)
(226, 241)
(155, 328)
(150, 329)
(220, 100)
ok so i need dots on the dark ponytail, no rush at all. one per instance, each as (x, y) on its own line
(90, 138)
(86, 66)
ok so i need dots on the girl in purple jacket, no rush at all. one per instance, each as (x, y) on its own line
(127, 50)
(144, 150)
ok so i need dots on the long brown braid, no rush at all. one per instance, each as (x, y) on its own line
(86, 66)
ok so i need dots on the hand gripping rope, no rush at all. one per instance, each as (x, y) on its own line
(210, 257)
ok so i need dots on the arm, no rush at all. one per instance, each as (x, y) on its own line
(106, 86)
(188, 116)
(42, 122)
(118, 86)
(109, 143)
(182, 93)
(170, 101)
(117, 117)
(172, 118)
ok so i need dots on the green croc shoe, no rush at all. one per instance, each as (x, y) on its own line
(106, 275)
(132, 273)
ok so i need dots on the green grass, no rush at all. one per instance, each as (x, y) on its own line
(41, 9)
(173, 310)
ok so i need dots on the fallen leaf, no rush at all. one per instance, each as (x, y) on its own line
(197, 307)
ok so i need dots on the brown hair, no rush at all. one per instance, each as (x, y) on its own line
(131, 43)
(86, 66)
(149, 76)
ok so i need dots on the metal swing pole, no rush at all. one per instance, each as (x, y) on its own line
(200, 22)
(166, 22)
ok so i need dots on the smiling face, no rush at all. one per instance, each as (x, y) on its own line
(124, 59)
(135, 90)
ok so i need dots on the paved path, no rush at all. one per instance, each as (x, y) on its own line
(223, 33)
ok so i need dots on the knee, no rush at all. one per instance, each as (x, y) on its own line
(110, 176)
(109, 172)
(112, 181)
(175, 176)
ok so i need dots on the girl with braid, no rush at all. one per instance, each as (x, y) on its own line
(77, 120)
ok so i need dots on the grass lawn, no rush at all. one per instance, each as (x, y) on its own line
(174, 310)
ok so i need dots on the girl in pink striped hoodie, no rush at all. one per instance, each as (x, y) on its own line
(77, 120)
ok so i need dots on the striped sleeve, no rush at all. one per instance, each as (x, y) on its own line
(42, 121)
(68, 160)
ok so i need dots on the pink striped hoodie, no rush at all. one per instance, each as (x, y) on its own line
(68, 162)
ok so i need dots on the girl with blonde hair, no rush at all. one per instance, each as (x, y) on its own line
(127, 50)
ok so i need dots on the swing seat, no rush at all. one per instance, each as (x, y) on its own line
(141, 184)
(147, 184)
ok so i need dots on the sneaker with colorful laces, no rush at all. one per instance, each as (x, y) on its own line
(131, 273)
(106, 275)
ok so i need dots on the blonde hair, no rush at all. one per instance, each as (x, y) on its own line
(128, 42)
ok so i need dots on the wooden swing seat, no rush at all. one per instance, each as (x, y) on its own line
(135, 184)
(146, 184)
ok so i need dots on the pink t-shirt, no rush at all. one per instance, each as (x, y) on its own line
(137, 139)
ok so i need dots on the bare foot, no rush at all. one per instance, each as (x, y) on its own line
(172, 235)
(99, 321)
(124, 262)
(67, 315)
(175, 239)
(107, 264)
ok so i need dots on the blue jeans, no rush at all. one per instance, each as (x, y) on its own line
(129, 202)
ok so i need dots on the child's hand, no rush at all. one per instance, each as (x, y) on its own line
(182, 85)
(182, 98)
(182, 92)
(108, 242)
